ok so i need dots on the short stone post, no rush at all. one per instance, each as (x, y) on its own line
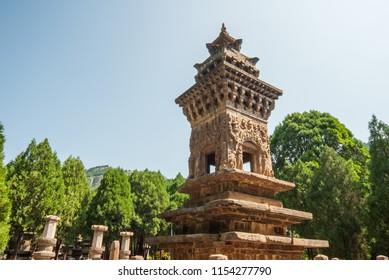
(114, 252)
(382, 258)
(218, 257)
(97, 248)
(47, 242)
(321, 257)
(26, 242)
(137, 258)
(125, 251)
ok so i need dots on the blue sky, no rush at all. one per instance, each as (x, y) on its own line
(99, 78)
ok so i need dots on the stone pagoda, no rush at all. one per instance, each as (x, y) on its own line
(231, 185)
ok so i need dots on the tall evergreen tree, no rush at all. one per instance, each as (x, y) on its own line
(36, 188)
(5, 203)
(379, 199)
(77, 190)
(150, 199)
(112, 204)
(338, 207)
(176, 198)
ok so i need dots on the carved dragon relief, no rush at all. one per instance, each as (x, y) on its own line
(226, 135)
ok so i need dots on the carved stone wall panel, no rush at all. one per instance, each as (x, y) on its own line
(226, 135)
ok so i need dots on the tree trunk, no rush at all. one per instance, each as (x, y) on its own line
(16, 250)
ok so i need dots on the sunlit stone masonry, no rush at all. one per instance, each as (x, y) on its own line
(231, 184)
(46, 243)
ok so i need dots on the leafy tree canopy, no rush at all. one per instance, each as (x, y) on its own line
(112, 204)
(150, 199)
(177, 199)
(77, 190)
(338, 207)
(5, 203)
(379, 199)
(36, 187)
(328, 165)
(302, 136)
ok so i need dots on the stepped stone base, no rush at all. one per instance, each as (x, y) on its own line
(235, 245)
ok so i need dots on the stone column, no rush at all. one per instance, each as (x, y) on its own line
(114, 252)
(97, 248)
(125, 250)
(26, 242)
(47, 242)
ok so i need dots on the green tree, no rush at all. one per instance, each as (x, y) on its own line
(112, 204)
(36, 188)
(302, 136)
(301, 151)
(150, 199)
(338, 207)
(176, 198)
(379, 199)
(77, 190)
(5, 203)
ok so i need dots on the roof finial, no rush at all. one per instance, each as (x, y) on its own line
(224, 29)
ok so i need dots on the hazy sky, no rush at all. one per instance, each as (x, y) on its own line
(99, 78)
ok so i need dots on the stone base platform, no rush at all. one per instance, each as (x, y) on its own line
(235, 245)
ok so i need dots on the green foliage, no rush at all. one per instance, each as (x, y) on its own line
(5, 203)
(95, 175)
(150, 199)
(330, 169)
(176, 198)
(303, 137)
(379, 199)
(36, 187)
(338, 207)
(97, 171)
(112, 204)
(77, 190)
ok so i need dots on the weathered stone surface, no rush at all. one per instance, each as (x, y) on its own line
(321, 257)
(114, 251)
(232, 208)
(218, 257)
(46, 243)
(137, 258)
(96, 249)
(125, 251)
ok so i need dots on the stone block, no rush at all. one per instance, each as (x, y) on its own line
(218, 257)
(321, 257)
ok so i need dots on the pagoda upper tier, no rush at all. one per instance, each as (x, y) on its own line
(228, 79)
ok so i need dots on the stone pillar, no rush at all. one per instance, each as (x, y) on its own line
(218, 257)
(125, 251)
(47, 242)
(26, 242)
(382, 257)
(114, 252)
(321, 257)
(97, 248)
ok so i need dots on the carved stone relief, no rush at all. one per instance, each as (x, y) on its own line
(226, 135)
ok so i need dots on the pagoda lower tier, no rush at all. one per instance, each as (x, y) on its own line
(235, 245)
(234, 213)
